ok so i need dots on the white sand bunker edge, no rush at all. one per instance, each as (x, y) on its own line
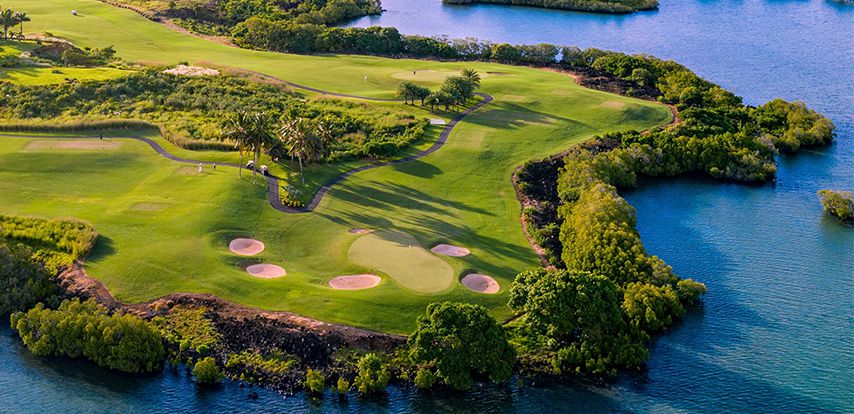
(450, 250)
(355, 282)
(481, 283)
(246, 247)
(360, 231)
(266, 271)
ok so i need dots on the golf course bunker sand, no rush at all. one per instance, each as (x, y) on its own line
(434, 121)
(355, 282)
(246, 247)
(403, 259)
(481, 283)
(76, 144)
(450, 250)
(266, 271)
(360, 231)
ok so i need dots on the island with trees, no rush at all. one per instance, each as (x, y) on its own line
(839, 204)
(597, 6)
(592, 310)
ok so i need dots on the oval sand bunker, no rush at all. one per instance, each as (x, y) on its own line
(450, 250)
(355, 282)
(266, 271)
(246, 247)
(360, 231)
(481, 283)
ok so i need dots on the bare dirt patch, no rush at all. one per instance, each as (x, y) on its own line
(355, 282)
(266, 271)
(450, 250)
(481, 283)
(82, 144)
(246, 247)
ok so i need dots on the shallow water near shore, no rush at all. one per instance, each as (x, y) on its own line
(775, 332)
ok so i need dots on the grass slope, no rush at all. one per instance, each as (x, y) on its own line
(460, 195)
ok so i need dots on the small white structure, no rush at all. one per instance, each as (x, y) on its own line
(74, 12)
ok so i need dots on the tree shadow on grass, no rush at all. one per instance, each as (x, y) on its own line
(104, 247)
(388, 195)
(418, 168)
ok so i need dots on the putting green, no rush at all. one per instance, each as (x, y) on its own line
(400, 256)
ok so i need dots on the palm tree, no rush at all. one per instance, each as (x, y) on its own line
(301, 141)
(7, 20)
(406, 90)
(472, 76)
(261, 136)
(22, 17)
(251, 132)
(238, 128)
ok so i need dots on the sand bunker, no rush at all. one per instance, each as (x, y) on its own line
(481, 283)
(81, 144)
(360, 231)
(355, 282)
(184, 70)
(449, 250)
(266, 271)
(246, 247)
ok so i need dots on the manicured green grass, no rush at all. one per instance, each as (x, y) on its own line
(32, 75)
(401, 257)
(460, 195)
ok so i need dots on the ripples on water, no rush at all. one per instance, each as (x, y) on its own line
(776, 331)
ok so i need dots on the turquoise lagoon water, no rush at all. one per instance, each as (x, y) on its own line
(775, 333)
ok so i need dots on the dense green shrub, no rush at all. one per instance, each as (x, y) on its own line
(73, 237)
(275, 363)
(206, 371)
(579, 316)
(373, 376)
(85, 329)
(462, 342)
(342, 386)
(23, 281)
(314, 383)
(838, 203)
(188, 328)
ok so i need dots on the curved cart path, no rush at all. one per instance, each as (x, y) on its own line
(273, 181)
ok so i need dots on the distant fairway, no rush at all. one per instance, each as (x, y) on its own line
(400, 256)
(166, 228)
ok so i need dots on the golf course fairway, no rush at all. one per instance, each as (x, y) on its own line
(166, 228)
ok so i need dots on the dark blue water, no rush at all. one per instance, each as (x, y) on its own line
(776, 331)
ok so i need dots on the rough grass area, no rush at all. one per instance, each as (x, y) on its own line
(32, 75)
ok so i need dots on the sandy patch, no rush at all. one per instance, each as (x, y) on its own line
(266, 271)
(246, 247)
(450, 250)
(355, 282)
(83, 144)
(613, 104)
(150, 206)
(184, 70)
(434, 121)
(360, 231)
(481, 283)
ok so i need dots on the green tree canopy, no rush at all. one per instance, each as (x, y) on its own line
(461, 342)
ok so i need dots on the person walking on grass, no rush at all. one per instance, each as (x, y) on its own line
(214, 166)
(200, 167)
(101, 136)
